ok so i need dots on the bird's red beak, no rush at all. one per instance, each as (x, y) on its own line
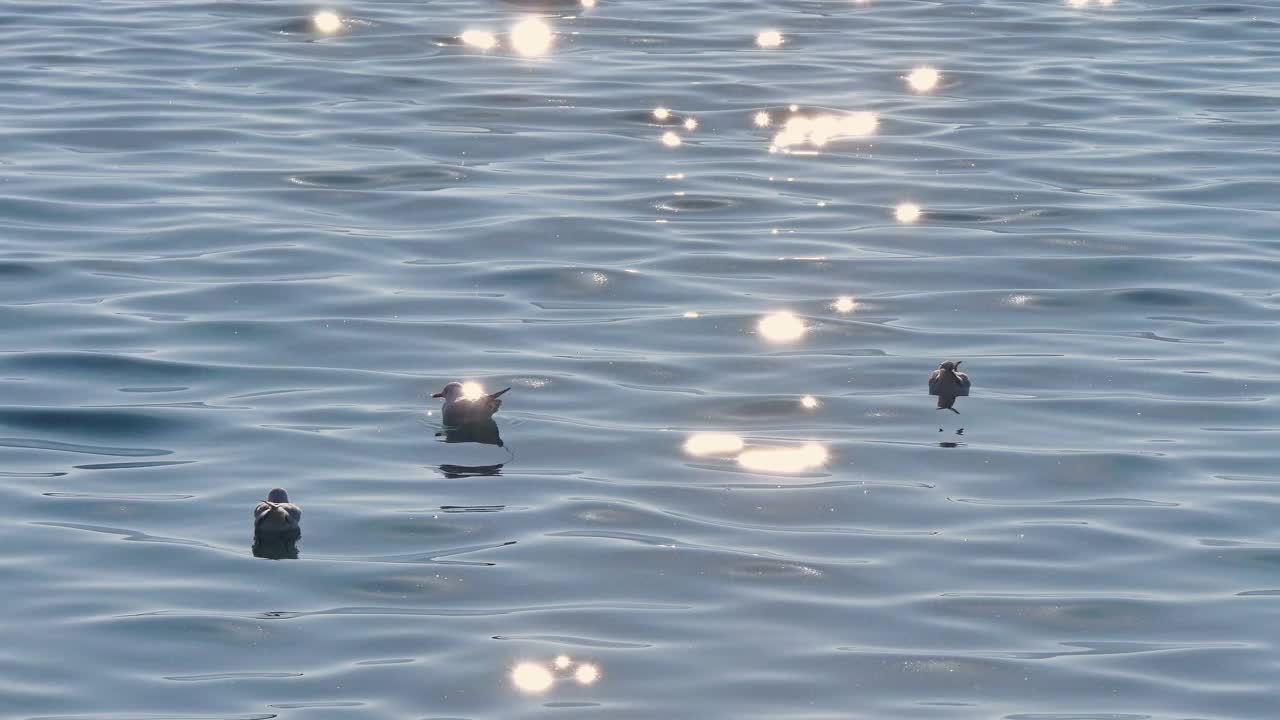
(438, 395)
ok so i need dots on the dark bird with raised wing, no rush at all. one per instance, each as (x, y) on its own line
(276, 515)
(466, 404)
(948, 384)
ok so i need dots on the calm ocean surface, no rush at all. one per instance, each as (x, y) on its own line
(239, 252)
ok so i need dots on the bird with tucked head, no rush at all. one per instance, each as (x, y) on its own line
(948, 384)
(276, 514)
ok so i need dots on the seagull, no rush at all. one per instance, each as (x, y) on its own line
(948, 385)
(276, 514)
(459, 409)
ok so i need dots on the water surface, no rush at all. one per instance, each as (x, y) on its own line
(237, 252)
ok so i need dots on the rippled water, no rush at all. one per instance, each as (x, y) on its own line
(239, 252)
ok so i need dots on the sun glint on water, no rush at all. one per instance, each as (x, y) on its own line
(769, 39)
(586, 674)
(818, 130)
(809, 456)
(781, 327)
(907, 213)
(479, 39)
(532, 37)
(713, 443)
(924, 79)
(531, 677)
(327, 22)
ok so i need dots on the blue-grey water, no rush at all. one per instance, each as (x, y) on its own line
(239, 252)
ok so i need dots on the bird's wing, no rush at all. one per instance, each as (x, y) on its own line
(262, 511)
(963, 388)
(935, 384)
(492, 401)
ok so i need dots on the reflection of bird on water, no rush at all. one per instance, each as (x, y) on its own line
(948, 384)
(462, 407)
(484, 432)
(481, 431)
(454, 472)
(277, 527)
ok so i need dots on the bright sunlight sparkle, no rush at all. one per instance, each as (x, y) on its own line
(531, 37)
(327, 22)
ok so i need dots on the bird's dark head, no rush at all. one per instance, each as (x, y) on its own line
(450, 392)
(948, 365)
(278, 495)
